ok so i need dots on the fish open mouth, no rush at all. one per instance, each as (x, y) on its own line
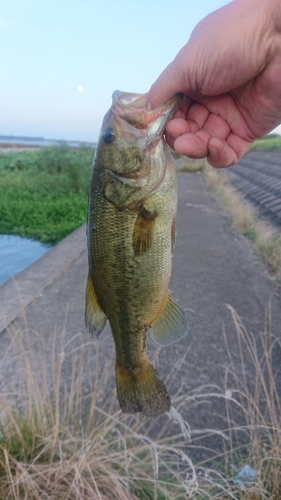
(129, 98)
(131, 108)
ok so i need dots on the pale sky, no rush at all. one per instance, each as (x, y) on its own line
(62, 59)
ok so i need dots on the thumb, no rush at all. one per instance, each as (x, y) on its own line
(169, 83)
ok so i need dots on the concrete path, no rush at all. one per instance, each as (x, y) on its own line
(213, 266)
(18, 293)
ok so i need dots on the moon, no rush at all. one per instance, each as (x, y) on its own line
(80, 88)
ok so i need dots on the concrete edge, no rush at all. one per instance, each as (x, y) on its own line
(18, 292)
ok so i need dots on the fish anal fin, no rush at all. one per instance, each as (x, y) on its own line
(95, 318)
(170, 325)
(143, 231)
(141, 390)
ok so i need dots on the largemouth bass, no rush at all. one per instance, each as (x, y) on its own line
(131, 234)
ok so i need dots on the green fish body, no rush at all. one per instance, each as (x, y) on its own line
(131, 235)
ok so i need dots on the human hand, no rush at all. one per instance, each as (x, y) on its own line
(230, 74)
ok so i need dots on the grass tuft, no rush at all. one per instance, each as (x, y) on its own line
(58, 442)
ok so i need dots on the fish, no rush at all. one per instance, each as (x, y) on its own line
(131, 232)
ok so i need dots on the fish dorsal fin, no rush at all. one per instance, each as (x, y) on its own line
(170, 325)
(95, 318)
(143, 231)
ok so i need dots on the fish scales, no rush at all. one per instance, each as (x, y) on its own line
(123, 291)
(130, 241)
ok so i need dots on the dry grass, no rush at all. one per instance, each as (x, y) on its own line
(63, 438)
(259, 404)
(58, 441)
(244, 217)
(253, 421)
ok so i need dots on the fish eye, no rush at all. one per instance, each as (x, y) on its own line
(108, 135)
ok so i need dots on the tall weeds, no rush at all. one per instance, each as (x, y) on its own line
(256, 441)
(63, 437)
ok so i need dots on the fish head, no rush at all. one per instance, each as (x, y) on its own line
(127, 149)
(129, 130)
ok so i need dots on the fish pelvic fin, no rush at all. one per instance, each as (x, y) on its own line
(170, 325)
(95, 318)
(141, 390)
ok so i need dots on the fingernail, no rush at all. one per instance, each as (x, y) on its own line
(213, 152)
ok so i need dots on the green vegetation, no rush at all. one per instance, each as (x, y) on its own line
(43, 193)
(271, 141)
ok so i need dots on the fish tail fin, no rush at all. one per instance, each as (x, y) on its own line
(141, 390)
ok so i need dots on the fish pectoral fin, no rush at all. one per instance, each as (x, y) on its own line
(170, 325)
(95, 318)
(143, 230)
